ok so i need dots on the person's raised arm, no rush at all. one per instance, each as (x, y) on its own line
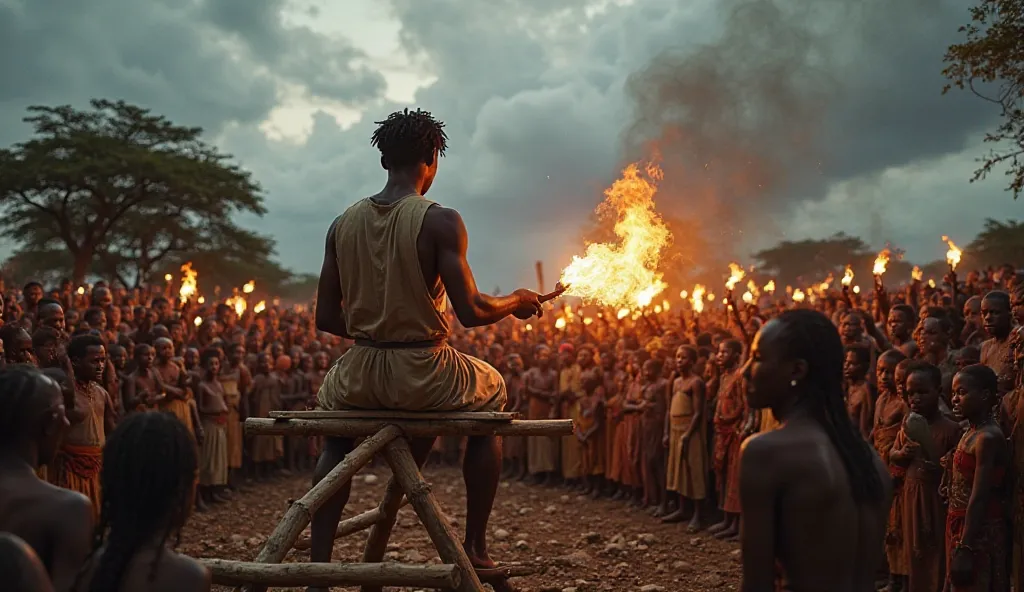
(328, 314)
(473, 308)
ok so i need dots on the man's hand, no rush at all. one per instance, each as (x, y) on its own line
(529, 304)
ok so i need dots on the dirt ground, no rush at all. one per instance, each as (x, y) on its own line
(577, 544)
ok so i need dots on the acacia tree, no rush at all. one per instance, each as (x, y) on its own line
(810, 260)
(990, 63)
(121, 189)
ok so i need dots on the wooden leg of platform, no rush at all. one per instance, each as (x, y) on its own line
(300, 513)
(351, 525)
(407, 473)
(380, 532)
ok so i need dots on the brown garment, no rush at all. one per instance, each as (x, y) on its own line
(572, 448)
(924, 515)
(386, 300)
(687, 462)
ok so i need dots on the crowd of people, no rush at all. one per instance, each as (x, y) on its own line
(661, 399)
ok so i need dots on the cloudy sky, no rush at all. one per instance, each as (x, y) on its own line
(774, 119)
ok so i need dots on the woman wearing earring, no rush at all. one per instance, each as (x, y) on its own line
(814, 494)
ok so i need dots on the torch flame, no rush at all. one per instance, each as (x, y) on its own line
(798, 295)
(168, 277)
(847, 276)
(770, 287)
(931, 283)
(953, 254)
(560, 323)
(825, 284)
(260, 307)
(881, 261)
(748, 297)
(753, 289)
(624, 273)
(698, 299)
(249, 287)
(736, 274)
(623, 313)
(236, 302)
(916, 274)
(81, 290)
(198, 321)
(684, 294)
(188, 282)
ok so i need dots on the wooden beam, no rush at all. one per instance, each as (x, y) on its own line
(408, 415)
(407, 473)
(301, 511)
(352, 525)
(357, 428)
(237, 573)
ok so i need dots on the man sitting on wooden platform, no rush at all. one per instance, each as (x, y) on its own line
(388, 263)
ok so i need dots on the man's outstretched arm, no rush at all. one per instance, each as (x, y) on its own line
(473, 308)
(328, 315)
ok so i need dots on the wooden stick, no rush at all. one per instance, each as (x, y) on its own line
(558, 291)
(235, 573)
(356, 428)
(377, 541)
(408, 475)
(404, 415)
(300, 513)
(351, 525)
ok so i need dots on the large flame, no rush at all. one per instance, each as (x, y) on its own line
(881, 261)
(847, 276)
(736, 274)
(624, 273)
(189, 287)
(953, 254)
(697, 302)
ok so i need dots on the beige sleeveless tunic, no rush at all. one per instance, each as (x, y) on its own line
(387, 300)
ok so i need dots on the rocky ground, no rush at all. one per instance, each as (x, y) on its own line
(577, 544)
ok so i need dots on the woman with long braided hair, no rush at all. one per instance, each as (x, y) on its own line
(814, 494)
(149, 479)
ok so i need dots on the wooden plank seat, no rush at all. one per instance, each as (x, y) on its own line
(385, 433)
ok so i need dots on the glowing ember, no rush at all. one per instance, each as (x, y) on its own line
(856, 289)
(931, 283)
(249, 286)
(623, 313)
(847, 276)
(202, 300)
(188, 283)
(198, 321)
(880, 262)
(260, 307)
(624, 273)
(684, 294)
(587, 320)
(168, 277)
(665, 305)
(560, 323)
(711, 296)
(529, 327)
(916, 274)
(953, 254)
(736, 274)
(81, 290)
(657, 309)
(698, 299)
(798, 295)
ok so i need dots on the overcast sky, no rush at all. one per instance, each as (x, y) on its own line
(793, 118)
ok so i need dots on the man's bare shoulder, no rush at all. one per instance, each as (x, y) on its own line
(185, 575)
(444, 220)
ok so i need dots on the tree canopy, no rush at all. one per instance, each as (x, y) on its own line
(990, 63)
(998, 243)
(799, 262)
(118, 191)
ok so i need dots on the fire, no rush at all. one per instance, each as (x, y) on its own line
(825, 284)
(198, 321)
(236, 302)
(560, 323)
(931, 283)
(624, 273)
(698, 299)
(916, 274)
(798, 295)
(202, 300)
(260, 307)
(953, 254)
(249, 287)
(588, 321)
(753, 289)
(770, 287)
(168, 277)
(736, 274)
(880, 262)
(847, 276)
(748, 297)
(665, 305)
(81, 290)
(856, 289)
(623, 313)
(188, 282)
(657, 309)
(684, 295)
(529, 327)
(711, 296)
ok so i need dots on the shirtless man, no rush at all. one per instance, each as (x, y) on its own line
(995, 351)
(900, 325)
(147, 390)
(815, 496)
(424, 250)
(55, 522)
(860, 396)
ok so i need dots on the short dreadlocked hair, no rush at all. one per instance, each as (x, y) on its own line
(148, 476)
(407, 138)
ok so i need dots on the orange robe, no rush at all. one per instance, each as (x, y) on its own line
(730, 410)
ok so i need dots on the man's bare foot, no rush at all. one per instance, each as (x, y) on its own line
(695, 524)
(716, 528)
(677, 516)
(728, 533)
(618, 495)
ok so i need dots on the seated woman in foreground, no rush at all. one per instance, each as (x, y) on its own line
(149, 476)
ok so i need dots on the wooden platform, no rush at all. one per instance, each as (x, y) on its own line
(385, 433)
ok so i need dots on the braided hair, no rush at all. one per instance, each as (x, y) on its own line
(811, 336)
(407, 138)
(148, 480)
